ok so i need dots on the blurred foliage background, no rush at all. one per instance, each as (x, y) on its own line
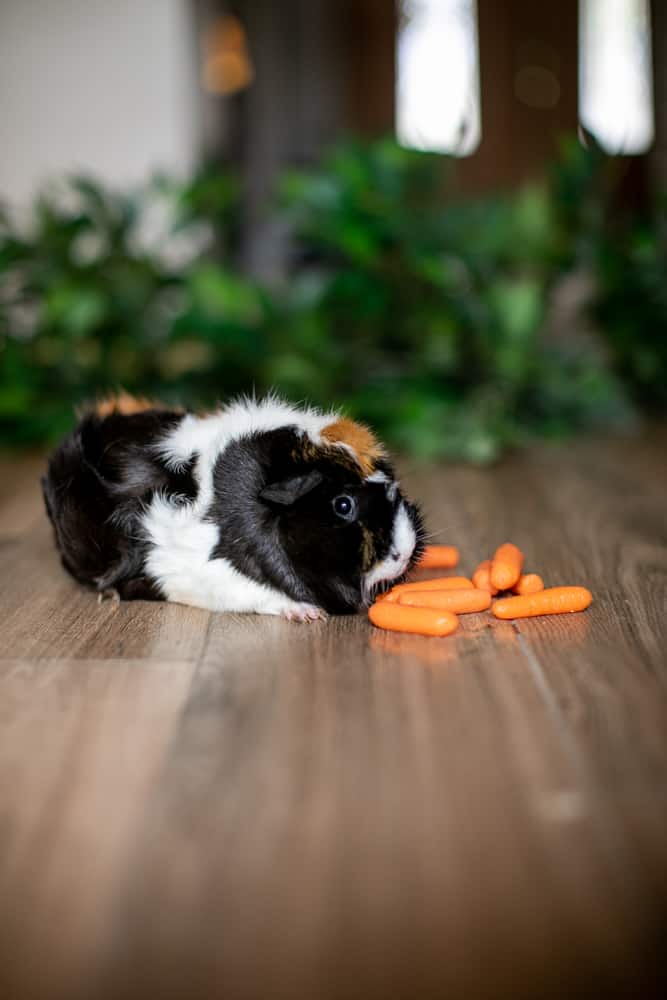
(457, 328)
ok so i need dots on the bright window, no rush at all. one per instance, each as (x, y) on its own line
(437, 89)
(615, 76)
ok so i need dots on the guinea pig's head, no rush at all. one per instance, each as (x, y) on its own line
(333, 527)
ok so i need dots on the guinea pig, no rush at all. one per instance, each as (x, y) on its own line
(261, 506)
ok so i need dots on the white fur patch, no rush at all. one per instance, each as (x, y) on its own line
(212, 433)
(404, 539)
(179, 561)
(378, 477)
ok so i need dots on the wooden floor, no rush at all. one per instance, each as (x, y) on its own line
(196, 805)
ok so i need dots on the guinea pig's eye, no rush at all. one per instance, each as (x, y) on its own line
(345, 507)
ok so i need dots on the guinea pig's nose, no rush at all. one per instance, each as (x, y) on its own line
(394, 554)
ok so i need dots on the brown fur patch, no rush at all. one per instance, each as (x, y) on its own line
(126, 404)
(360, 439)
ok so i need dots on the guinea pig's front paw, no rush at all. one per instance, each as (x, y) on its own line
(108, 594)
(304, 613)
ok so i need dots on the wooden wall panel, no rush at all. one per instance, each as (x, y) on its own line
(528, 57)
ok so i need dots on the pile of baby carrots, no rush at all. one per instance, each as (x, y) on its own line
(430, 607)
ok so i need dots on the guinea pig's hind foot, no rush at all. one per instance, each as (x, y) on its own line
(299, 612)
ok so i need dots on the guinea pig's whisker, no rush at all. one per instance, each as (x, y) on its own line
(450, 530)
(369, 592)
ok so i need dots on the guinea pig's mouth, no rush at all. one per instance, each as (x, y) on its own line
(405, 539)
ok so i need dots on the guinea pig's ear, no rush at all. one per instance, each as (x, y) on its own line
(287, 491)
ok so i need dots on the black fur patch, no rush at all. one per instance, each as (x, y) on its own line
(277, 531)
(98, 482)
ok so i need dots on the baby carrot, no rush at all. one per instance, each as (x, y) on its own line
(528, 583)
(481, 578)
(439, 583)
(460, 602)
(506, 566)
(554, 601)
(439, 557)
(423, 621)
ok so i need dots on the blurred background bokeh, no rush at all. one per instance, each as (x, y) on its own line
(447, 215)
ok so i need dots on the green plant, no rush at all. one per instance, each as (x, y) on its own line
(426, 314)
(102, 289)
(429, 316)
(631, 305)
(623, 246)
